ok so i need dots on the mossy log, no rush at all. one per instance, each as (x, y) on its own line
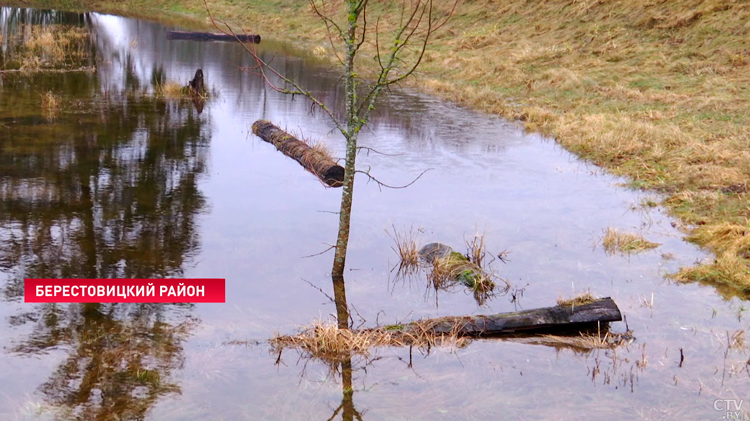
(312, 160)
(456, 265)
(601, 311)
(209, 36)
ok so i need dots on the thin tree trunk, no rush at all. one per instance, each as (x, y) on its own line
(352, 120)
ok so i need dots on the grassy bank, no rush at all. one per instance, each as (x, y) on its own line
(653, 90)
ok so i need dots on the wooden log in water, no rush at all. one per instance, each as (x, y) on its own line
(209, 36)
(602, 311)
(312, 160)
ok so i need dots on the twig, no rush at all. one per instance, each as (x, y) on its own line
(369, 149)
(319, 289)
(318, 254)
(381, 184)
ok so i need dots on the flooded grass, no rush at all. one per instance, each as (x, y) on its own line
(585, 342)
(458, 269)
(465, 373)
(615, 241)
(51, 104)
(172, 90)
(326, 341)
(407, 249)
(637, 89)
(48, 47)
(730, 267)
(444, 268)
(476, 250)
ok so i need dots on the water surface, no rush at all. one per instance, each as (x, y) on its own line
(123, 183)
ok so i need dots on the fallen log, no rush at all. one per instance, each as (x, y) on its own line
(315, 161)
(581, 327)
(600, 311)
(87, 69)
(209, 36)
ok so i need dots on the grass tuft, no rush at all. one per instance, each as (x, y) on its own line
(172, 90)
(50, 47)
(51, 104)
(475, 250)
(456, 268)
(327, 342)
(578, 300)
(615, 241)
(407, 249)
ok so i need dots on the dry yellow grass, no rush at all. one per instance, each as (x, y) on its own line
(51, 104)
(320, 147)
(578, 300)
(172, 90)
(730, 268)
(615, 241)
(585, 342)
(655, 91)
(50, 46)
(407, 249)
(476, 249)
(326, 341)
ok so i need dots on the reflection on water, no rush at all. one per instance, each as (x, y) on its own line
(120, 183)
(119, 357)
(108, 188)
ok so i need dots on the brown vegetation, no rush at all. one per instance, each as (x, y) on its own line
(50, 105)
(654, 91)
(172, 90)
(615, 241)
(326, 341)
(578, 300)
(407, 249)
(49, 47)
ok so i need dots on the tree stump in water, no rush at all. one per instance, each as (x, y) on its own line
(312, 160)
(196, 85)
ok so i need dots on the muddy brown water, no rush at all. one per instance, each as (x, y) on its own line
(121, 183)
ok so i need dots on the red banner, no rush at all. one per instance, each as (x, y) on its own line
(124, 291)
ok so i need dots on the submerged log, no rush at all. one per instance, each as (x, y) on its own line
(312, 160)
(209, 36)
(447, 263)
(602, 311)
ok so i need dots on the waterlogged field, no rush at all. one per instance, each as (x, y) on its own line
(106, 170)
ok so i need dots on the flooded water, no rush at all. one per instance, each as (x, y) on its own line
(120, 182)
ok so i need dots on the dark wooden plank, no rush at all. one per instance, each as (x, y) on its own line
(603, 310)
(209, 36)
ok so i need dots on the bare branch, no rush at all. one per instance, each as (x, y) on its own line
(377, 152)
(363, 5)
(318, 254)
(330, 23)
(263, 66)
(381, 184)
(319, 289)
